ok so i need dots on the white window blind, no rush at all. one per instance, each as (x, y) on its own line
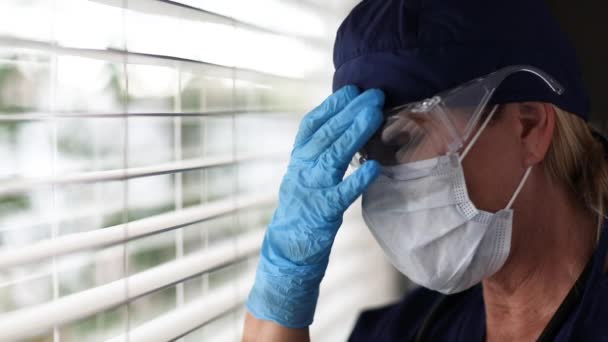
(142, 145)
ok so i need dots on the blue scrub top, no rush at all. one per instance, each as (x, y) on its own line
(462, 316)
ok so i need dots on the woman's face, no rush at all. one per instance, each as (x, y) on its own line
(494, 166)
(409, 136)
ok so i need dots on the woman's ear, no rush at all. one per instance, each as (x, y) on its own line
(538, 123)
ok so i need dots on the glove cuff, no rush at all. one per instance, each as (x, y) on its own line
(286, 297)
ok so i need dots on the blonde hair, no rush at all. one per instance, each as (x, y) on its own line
(577, 159)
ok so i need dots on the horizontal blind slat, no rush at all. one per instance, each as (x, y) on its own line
(55, 115)
(196, 313)
(118, 56)
(15, 186)
(174, 8)
(32, 321)
(11, 257)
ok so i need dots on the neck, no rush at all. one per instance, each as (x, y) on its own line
(549, 250)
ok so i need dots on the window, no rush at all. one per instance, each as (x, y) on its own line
(143, 142)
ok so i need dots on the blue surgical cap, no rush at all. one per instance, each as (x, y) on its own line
(413, 49)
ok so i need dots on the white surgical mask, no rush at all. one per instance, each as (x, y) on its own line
(421, 215)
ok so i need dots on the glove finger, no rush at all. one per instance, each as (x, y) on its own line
(354, 185)
(341, 122)
(341, 152)
(319, 116)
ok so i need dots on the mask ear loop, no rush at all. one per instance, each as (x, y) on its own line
(519, 187)
(479, 131)
(472, 142)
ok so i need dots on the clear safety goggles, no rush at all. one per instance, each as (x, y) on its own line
(441, 124)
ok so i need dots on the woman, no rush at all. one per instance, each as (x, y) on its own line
(490, 193)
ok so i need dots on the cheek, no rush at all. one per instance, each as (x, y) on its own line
(492, 169)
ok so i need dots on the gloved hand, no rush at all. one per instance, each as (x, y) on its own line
(312, 199)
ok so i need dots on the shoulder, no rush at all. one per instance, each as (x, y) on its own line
(597, 303)
(589, 323)
(398, 321)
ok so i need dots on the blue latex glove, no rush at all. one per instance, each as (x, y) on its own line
(312, 199)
